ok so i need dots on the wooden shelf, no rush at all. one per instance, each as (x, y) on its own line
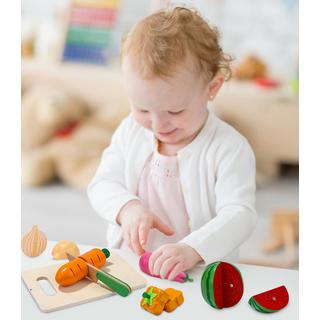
(268, 118)
(96, 85)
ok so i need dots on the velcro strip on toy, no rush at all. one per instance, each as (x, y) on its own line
(221, 285)
(270, 301)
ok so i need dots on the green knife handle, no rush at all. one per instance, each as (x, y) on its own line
(115, 284)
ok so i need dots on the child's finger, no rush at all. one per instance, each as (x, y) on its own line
(158, 224)
(126, 237)
(144, 233)
(167, 266)
(158, 264)
(175, 271)
(155, 255)
(135, 242)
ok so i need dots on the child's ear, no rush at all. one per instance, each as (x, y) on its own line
(215, 85)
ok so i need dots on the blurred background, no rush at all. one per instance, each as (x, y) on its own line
(73, 99)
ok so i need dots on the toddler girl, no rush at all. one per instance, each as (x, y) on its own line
(175, 180)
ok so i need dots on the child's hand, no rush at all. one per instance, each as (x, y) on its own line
(173, 258)
(136, 222)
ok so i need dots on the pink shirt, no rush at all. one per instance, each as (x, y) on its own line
(160, 191)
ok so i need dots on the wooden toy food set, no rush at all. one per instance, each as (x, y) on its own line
(98, 274)
(222, 287)
(155, 300)
(93, 275)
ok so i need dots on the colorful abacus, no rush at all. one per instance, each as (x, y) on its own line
(89, 34)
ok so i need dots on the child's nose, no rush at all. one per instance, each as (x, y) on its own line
(159, 124)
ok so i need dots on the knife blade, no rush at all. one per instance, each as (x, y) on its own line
(112, 282)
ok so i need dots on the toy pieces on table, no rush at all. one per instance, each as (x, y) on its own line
(175, 299)
(83, 291)
(71, 272)
(250, 68)
(27, 47)
(34, 242)
(67, 131)
(61, 248)
(285, 231)
(113, 283)
(294, 84)
(221, 285)
(270, 301)
(144, 266)
(77, 269)
(266, 82)
(154, 300)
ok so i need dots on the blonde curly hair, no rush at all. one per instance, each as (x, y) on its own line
(162, 41)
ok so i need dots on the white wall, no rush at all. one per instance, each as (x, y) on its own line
(268, 28)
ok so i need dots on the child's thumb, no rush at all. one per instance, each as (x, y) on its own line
(158, 224)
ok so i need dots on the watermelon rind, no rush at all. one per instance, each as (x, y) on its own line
(204, 280)
(210, 285)
(207, 284)
(255, 305)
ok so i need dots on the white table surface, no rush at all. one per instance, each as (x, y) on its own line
(256, 279)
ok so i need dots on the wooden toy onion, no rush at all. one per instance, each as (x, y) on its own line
(34, 242)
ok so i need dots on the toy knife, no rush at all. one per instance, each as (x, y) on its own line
(112, 282)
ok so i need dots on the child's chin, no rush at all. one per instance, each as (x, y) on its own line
(169, 140)
(166, 139)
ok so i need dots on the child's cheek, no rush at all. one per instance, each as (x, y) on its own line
(182, 122)
(142, 119)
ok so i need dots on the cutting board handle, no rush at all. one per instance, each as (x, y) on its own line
(46, 286)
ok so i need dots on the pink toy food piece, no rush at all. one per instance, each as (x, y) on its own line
(144, 266)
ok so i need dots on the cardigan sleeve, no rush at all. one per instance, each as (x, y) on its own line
(107, 191)
(235, 205)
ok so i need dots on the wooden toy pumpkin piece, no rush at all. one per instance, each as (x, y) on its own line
(154, 300)
(175, 299)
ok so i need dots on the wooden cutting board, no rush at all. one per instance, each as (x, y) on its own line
(81, 292)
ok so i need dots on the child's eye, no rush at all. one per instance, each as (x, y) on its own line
(144, 111)
(175, 112)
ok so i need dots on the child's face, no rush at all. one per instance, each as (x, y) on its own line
(174, 109)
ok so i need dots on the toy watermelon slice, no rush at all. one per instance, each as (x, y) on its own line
(221, 285)
(270, 301)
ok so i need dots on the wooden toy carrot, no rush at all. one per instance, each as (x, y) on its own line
(75, 270)
(88, 265)
(72, 272)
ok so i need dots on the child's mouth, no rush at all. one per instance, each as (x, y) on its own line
(167, 133)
